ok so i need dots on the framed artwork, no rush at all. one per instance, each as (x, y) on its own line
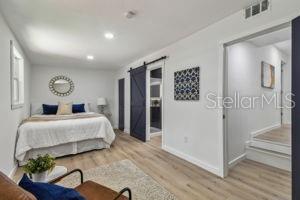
(267, 75)
(187, 84)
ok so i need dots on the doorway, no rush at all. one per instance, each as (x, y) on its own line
(256, 130)
(121, 104)
(155, 102)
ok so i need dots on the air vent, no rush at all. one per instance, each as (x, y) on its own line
(265, 5)
(248, 12)
(256, 9)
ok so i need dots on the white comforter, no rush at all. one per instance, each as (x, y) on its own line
(34, 135)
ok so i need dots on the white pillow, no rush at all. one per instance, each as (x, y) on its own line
(36, 109)
(86, 105)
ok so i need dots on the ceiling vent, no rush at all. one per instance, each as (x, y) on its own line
(257, 9)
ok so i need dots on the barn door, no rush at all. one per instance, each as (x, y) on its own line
(296, 110)
(138, 103)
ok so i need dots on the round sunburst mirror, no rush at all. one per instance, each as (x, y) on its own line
(61, 86)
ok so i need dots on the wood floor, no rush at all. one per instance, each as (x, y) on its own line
(246, 181)
(281, 135)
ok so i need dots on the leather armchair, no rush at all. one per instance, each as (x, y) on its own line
(94, 191)
(90, 190)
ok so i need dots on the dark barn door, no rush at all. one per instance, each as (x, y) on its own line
(296, 110)
(121, 103)
(138, 103)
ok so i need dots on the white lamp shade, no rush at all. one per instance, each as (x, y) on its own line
(101, 101)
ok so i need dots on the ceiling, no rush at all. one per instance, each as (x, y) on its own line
(281, 39)
(64, 32)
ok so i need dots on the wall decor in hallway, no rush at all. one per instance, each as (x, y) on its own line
(187, 84)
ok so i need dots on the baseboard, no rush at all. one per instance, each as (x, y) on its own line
(264, 130)
(13, 171)
(236, 160)
(192, 160)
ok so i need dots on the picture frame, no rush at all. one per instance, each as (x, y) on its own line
(187, 84)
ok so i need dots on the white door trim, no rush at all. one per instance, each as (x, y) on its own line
(149, 69)
(222, 122)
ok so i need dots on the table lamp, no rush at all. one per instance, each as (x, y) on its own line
(101, 102)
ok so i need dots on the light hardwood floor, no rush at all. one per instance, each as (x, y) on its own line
(246, 181)
(281, 135)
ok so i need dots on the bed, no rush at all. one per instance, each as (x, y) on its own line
(62, 135)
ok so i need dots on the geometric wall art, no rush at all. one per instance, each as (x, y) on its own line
(187, 84)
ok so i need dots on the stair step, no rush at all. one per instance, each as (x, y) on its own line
(271, 146)
(278, 154)
(268, 157)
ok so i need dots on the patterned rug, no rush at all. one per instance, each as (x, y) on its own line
(123, 174)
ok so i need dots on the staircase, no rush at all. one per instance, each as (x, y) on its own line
(270, 153)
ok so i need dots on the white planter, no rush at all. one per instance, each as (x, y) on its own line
(40, 177)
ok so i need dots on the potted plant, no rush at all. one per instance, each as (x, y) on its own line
(39, 167)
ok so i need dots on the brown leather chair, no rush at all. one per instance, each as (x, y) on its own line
(90, 190)
(9, 190)
(94, 191)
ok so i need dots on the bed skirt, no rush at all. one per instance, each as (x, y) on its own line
(66, 149)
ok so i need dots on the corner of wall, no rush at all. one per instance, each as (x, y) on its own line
(13, 171)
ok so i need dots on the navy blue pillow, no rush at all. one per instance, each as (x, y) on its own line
(46, 191)
(50, 109)
(78, 108)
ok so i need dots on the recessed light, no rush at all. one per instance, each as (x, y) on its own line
(90, 57)
(109, 36)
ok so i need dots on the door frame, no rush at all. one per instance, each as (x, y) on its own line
(148, 118)
(283, 63)
(295, 112)
(223, 82)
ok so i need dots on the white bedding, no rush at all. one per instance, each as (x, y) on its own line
(35, 135)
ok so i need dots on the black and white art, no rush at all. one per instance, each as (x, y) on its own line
(186, 84)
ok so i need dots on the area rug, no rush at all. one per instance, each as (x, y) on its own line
(123, 174)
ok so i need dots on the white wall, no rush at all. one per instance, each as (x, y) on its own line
(89, 85)
(202, 127)
(244, 78)
(9, 119)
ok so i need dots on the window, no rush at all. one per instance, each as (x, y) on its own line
(17, 78)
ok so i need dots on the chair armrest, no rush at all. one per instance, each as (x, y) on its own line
(67, 174)
(122, 192)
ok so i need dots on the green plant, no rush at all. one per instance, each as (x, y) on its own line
(40, 164)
